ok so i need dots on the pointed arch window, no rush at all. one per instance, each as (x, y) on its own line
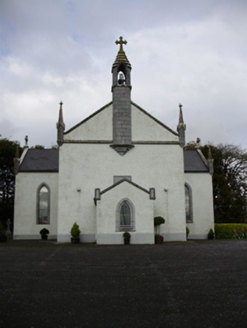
(188, 204)
(125, 216)
(43, 204)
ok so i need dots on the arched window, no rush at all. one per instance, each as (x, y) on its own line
(188, 204)
(125, 216)
(43, 204)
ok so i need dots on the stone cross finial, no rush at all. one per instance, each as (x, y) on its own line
(8, 232)
(180, 106)
(26, 141)
(121, 42)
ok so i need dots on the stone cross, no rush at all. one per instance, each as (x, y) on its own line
(121, 42)
(8, 232)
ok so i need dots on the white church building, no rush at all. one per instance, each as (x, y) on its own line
(114, 172)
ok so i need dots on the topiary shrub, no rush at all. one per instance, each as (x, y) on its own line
(228, 230)
(44, 231)
(126, 234)
(211, 234)
(75, 231)
(158, 220)
(187, 232)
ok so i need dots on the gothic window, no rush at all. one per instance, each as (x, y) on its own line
(43, 204)
(125, 216)
(188, 204)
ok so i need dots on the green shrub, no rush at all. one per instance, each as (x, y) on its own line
(75, 231)
(187, 231)
(211, 234)
(227, 230)
(3, 236)
(158, 220)
(44, 231)
(126, 234)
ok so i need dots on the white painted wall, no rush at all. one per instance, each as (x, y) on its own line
(25, 212)
(143, 213)
(146, 129)
(86, 166)
(202, 203)
(96, 128)
(90, 166)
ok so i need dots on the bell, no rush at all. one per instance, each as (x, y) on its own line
(121, 79)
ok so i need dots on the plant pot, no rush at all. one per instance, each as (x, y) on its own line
(75, 240)
(44, 237)
(211, 237)
(159, 239)
(126, 241)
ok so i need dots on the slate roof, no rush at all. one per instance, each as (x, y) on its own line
(40, 160)
(193, 162)
(47, 160)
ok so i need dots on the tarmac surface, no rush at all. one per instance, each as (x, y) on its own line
(187, 284)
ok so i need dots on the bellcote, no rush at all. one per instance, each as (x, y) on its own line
(121, 67)
(121, 90)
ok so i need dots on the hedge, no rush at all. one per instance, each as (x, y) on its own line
(226, 230)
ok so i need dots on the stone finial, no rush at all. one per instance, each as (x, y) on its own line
(8, 232)
(60, 125)
(181, 119)
(181, 127)
(16, 160)
(26, 142)
(210, 161)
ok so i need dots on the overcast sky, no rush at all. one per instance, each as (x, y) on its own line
(192, 52)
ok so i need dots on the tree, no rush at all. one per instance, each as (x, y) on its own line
(7, 179)
(38, 147)
(229, 181)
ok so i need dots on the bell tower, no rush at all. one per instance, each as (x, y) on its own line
(121, 89)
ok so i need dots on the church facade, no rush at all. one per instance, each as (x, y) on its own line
(114, 172)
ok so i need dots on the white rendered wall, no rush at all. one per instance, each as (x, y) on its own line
(85, 167)
(25, 212)
(96, 128)
(202, 204)
(106, 216)
(147, 129)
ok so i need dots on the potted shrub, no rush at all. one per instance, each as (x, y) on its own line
(126, 236)
(187, 232)
(75, 234)
(44, 233)
(211, 234)
(158, 220)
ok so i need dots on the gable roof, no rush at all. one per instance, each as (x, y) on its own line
(40, 160)
(193, 162)
(47, 160)
(121, 181)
